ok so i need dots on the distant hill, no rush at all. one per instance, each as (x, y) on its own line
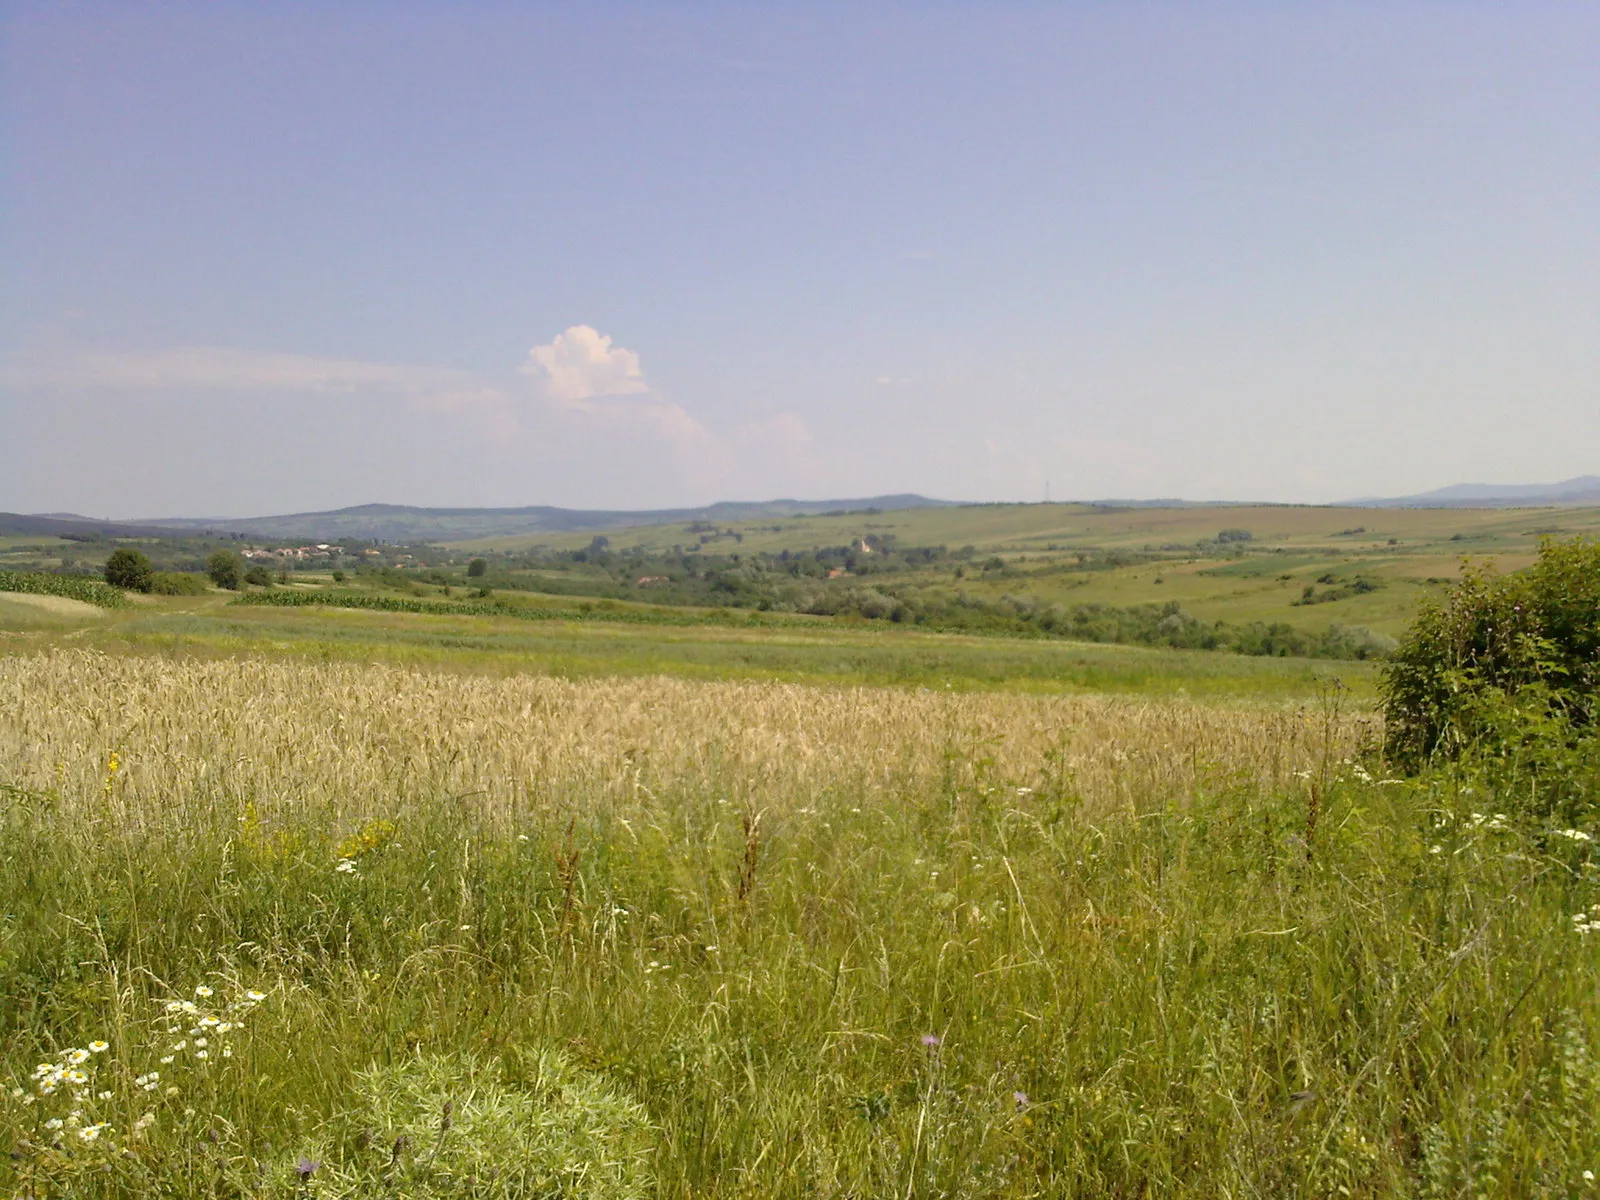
(403, 523)
(1585, 489)
(71, 525)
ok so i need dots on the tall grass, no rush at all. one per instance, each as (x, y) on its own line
(647, 937)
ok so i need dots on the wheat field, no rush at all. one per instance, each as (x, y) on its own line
(345, 742)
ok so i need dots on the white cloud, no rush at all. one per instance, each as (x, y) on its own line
(590, 379)
(580, 364)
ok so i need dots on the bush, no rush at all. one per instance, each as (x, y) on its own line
(258, 576)
(178, 583)
(477, 568)
(226, 569)
(1505, 660)
(128, 568)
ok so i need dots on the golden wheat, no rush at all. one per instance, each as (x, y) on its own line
(352, 740)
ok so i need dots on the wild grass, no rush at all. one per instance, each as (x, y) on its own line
(543, 937)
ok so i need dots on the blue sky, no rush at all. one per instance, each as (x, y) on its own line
(274, 257)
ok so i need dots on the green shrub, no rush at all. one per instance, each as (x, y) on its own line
(73, 587)
(178, 583)
(258, 577)
(226, 569)
(128, 568)
(1505, 661)
(477, 568)
(445, 1127)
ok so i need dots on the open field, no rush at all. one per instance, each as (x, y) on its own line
(797, 650)
(19, 606)
(761, 939)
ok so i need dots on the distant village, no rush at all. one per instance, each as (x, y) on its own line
(321, 552)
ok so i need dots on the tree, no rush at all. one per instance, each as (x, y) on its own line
(226, 569)
(258, 576)
(477, 568)
(128, 568)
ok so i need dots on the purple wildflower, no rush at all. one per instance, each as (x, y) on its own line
(306, 1168)
(1021, 1098)
(930, 1040)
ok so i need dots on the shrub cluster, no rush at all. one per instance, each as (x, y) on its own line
(1506, 671)
(178, 583)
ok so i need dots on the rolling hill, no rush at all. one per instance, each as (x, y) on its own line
(404, 523)
(1584, 489)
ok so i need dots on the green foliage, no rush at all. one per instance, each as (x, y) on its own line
(1505, 665)
(1235, 535)
(129, 569)
(258, 576)
(73, 587)
(178, 583)
(226, 569)
(477, 568)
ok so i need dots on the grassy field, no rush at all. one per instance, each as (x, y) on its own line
(794, 650)
(339, 929)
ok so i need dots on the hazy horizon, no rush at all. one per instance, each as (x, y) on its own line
(271, 260)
